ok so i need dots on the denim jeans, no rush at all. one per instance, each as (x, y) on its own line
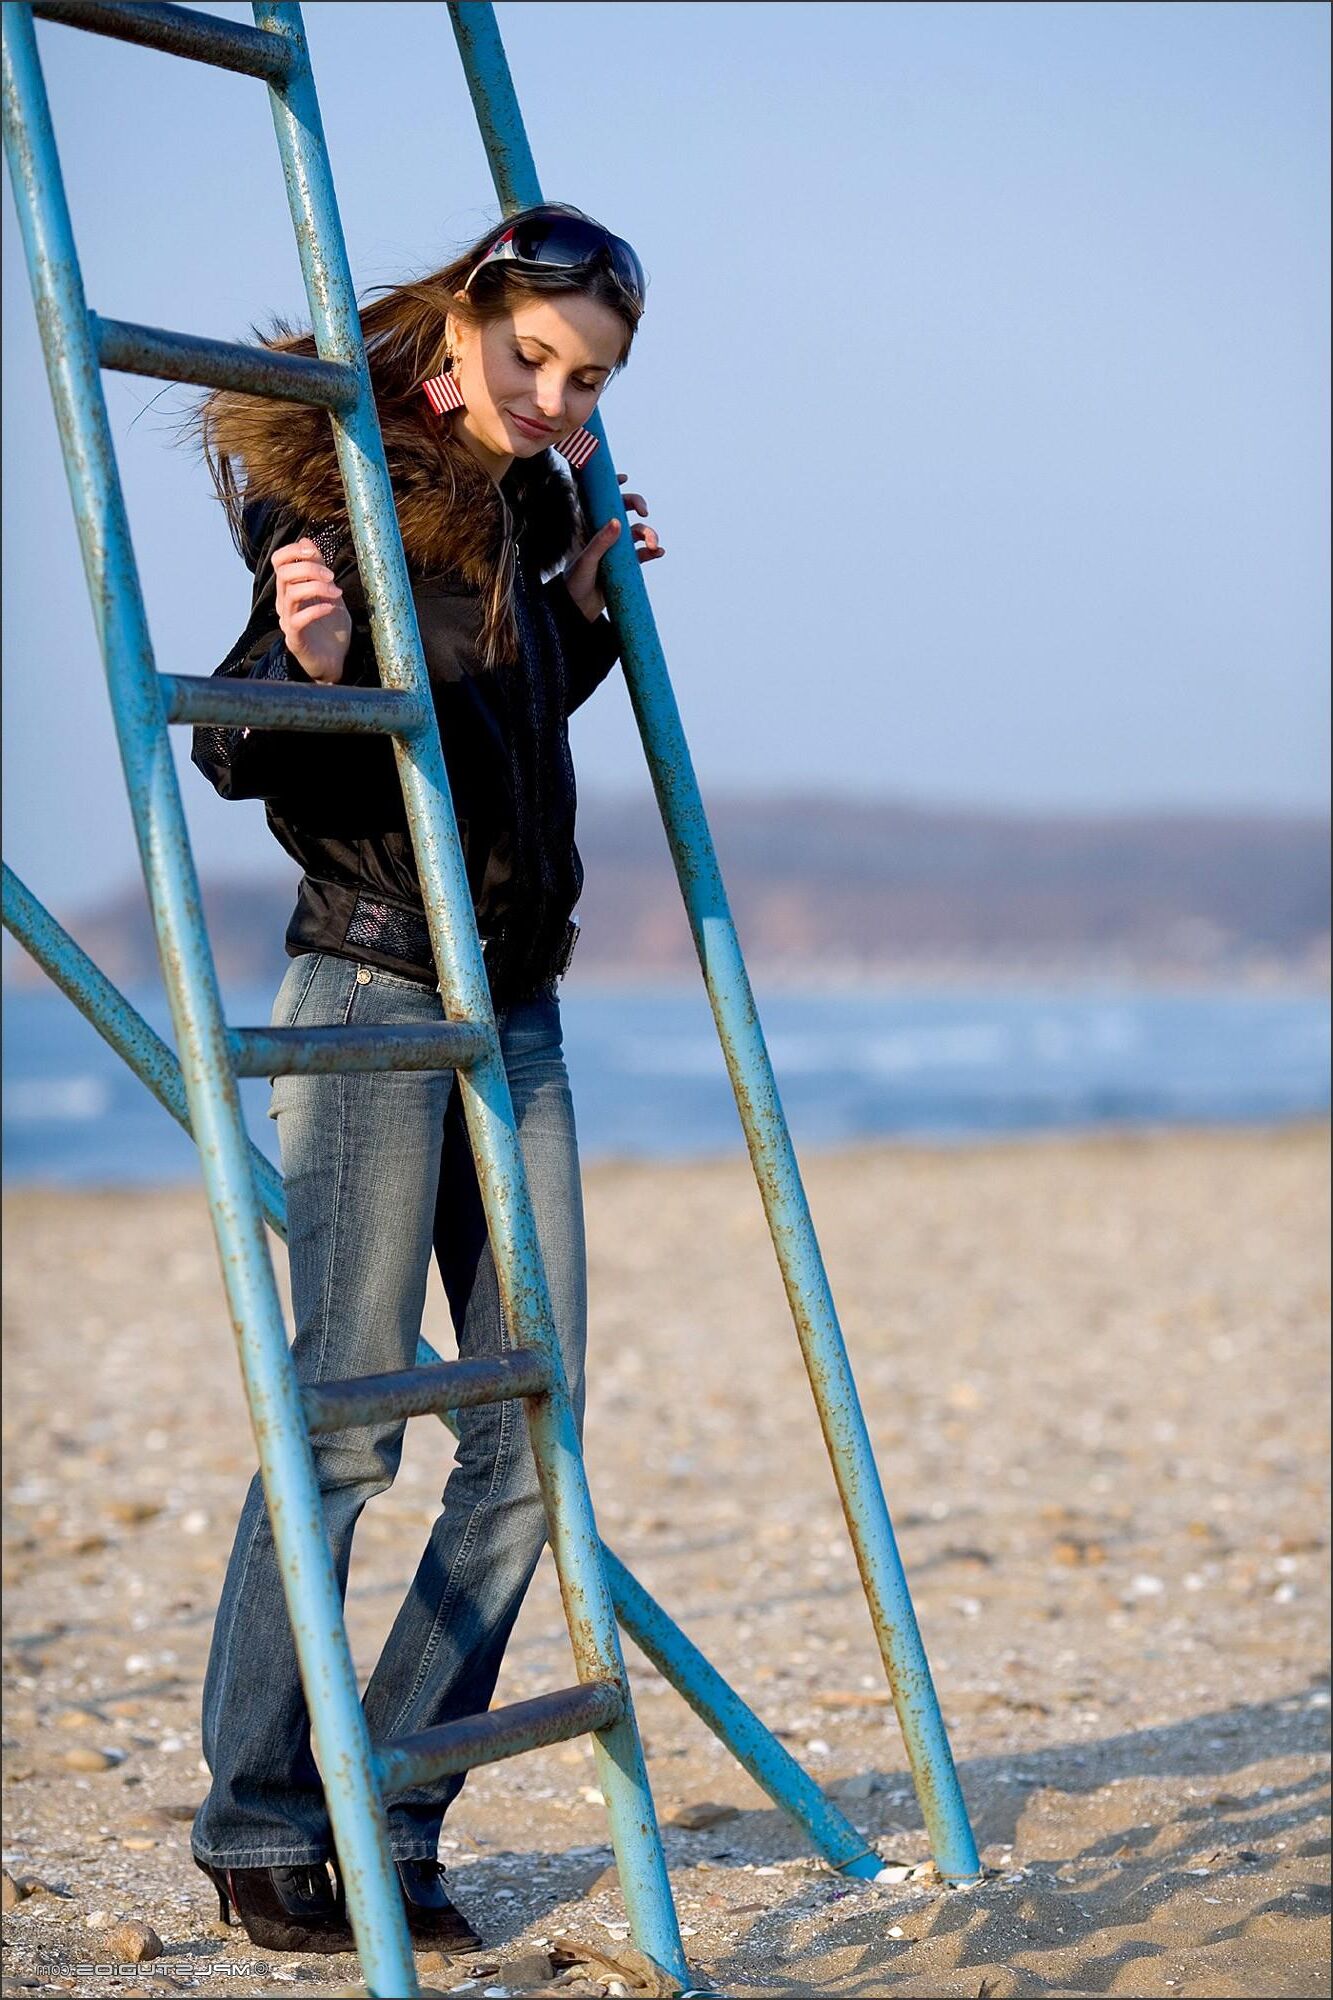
(378, 1172)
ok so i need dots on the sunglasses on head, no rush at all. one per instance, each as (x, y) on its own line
(564, 243)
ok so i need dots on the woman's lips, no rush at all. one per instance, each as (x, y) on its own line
(529, 429)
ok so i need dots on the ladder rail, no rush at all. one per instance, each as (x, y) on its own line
(209, 1048)
(484, 1086)
(286, 1461)
(741, 1035)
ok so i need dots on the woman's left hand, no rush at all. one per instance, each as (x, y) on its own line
(581, 576)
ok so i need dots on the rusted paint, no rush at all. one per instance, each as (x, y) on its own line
(499, 1733)
(221, 364)
(235, 704)
(323, 1051)
(495, 102)
(420, 1392)
(179, 31)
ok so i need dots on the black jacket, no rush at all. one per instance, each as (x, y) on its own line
(335, 804)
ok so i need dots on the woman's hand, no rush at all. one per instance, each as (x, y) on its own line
(316, 624)
(581, 576)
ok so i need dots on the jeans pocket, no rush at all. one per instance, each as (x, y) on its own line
(295, 988)
(380, 977)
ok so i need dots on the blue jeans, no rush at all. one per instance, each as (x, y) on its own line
(378, 1171)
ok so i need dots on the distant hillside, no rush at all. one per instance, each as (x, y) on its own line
(846, 888)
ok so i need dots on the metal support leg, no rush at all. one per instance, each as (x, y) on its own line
(742, 1039)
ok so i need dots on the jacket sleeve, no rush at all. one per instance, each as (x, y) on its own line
(267, 763)
(590, 645)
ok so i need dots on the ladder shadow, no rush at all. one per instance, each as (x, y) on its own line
(1139, 1879)
(1099, 1916)
(1209, 1745)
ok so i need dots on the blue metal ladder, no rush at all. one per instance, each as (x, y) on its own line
(212, 1054)
(336, 384)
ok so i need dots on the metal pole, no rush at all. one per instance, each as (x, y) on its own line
(287, 1467)
(485, 1088)
(743, 1045)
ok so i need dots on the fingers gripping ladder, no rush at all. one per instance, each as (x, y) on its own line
(77, 346)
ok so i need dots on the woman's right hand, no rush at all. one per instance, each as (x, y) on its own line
(316, 623)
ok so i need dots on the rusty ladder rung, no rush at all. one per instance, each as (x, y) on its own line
(502, 1732)
(423, 1392)
(129, 349)
(255, 704)
(325, 1051)
(180, 31)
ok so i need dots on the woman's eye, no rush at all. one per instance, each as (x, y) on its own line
(535, 361)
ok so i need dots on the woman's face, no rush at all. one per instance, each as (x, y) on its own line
(531, 377)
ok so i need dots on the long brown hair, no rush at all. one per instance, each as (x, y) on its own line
(450, 512)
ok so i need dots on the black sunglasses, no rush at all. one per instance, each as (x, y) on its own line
(564, 243)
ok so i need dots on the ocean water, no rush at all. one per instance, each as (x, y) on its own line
(852, 1066)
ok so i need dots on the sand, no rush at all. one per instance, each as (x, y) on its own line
(1095, 1372)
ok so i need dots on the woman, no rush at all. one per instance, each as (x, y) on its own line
(478, 370)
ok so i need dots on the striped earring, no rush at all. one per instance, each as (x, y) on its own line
(576, 448)
(444, 396)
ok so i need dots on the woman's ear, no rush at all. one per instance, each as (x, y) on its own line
(455, 329)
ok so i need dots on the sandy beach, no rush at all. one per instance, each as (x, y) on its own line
(1095, 1373)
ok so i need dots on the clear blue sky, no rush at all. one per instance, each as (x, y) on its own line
(982, 397)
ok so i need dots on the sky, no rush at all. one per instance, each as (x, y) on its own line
(981, 402)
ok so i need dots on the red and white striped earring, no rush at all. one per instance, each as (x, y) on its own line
(576, 448)
(443, 394)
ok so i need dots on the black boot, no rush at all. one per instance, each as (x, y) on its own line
(432, 1918)
(283, 1909)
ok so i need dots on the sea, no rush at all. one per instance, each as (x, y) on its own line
(853, 1065)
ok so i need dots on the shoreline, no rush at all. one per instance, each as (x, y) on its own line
(949, 978)
(1019, 1139)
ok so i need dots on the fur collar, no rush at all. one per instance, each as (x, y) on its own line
(451, 515)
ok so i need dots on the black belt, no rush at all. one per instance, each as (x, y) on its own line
(398, 932)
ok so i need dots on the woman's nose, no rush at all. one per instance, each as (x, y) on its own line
(551, 400)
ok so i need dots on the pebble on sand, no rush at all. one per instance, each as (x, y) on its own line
(131, 1942)
(704, 1813)
(863, 1785)
(84, 1758)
